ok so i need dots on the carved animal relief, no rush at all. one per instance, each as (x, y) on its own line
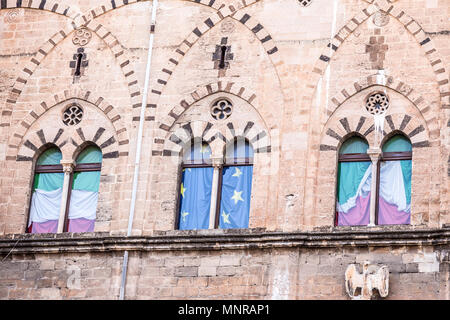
(360, 286)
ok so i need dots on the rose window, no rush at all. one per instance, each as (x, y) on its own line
(222, 109)
(73, 115)
(377, 103)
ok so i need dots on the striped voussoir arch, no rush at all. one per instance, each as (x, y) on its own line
(109, 5)
(36, 140)
(73, 11)
(175, 113)
(337, 131)
(207, 131)
(174, 60)
(109, 39)
(411, 25)
(18, 138)
(27, 72)
(121, 57)
(432, 122)
(44, 5)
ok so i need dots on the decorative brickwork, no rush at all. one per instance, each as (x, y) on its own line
(196, 96)
(101, 31)
(240, 16)
(411, 26)
(394, 84)
(45, 106)
(305, 3)
(376, 50)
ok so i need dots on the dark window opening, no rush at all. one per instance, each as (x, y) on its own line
(223, 50)
(78, 66)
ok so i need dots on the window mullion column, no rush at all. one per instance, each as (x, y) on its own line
(217, 165)
(67, 169)
(374, 157)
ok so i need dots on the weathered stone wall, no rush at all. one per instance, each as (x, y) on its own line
(300, 71)
(208, 265)
(297, 77)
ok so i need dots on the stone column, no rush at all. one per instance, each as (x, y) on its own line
(68, 166)
(217, 164)
(374, 155)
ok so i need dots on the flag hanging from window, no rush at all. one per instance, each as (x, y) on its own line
(395, 192)
(84, 194)
(46, 196)
(354, 188)
(354, 184)
(195, 195)
(395, 184)
(235, 197)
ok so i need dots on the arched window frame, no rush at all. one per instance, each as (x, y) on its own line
(348, 157)
(353, 157)
(189, 164)
(58, 168)
(246, 161)
(79, 167)
(39, 169)
(236, 162)
(384, 156)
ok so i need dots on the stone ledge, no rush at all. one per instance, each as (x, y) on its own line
(222, 240)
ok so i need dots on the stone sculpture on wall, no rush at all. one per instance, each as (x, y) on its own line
(372, 277)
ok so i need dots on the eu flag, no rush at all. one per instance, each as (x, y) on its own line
(235, 197)
(196, 185)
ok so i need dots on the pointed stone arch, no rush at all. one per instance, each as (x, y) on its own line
(109, 39)
(165, 127)
(108, 6)
(37, 139)
(336, 131)
(45, 5)
(411, 25)
(321, 64)
(240, 16)
(397, 85)
(176, 141)
(18, 139)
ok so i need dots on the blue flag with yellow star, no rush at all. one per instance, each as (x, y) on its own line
(196, 185)
(235, 197)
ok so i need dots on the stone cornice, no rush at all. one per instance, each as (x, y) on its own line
(222, 240)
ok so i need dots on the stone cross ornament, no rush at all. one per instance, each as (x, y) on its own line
(372, 277)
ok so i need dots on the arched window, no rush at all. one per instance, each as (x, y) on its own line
(394, 187)
(196, 187)
(46, 193)
(235, 187)
(219, 196)
(84, 191)
(354, 183)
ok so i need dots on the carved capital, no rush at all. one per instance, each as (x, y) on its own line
(68, 166)
(374, 154)
(217, 162)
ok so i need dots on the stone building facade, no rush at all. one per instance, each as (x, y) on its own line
(297, 74)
